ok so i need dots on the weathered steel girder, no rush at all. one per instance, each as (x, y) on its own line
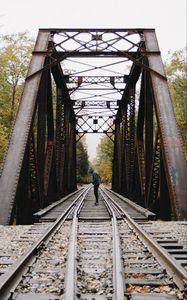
(158, 181)
(79, 82)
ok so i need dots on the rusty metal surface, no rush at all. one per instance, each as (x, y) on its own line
(174, 161)
(17, 144)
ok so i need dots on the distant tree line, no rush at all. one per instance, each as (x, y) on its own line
(82, 161)
(104, 159)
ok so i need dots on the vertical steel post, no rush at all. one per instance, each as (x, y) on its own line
(116, 184)
(50, 187)
(173, 156)
(123, 155)
(60, 141)
(19, 137)
(148, 105)
(41, 130)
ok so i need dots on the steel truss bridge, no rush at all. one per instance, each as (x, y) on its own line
(82, 81)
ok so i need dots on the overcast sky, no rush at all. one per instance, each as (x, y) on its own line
(168, 17)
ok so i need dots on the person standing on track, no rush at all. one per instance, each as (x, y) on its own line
(96, 180)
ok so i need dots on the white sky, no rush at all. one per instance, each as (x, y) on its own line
(168, 17)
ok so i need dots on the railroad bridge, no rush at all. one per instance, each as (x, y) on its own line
(82, 81)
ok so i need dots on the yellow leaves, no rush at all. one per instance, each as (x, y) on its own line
(104, 159)
(105, 171)
(164, 288)
(183, 125)
(138, 275)
(147, 289)
(3, 140)
(138, 289)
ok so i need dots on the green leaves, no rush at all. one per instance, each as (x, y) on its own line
(82, 161)
(176, 69)
(15, 52)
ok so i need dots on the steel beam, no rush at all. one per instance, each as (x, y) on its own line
(19, 136)
(173, 156)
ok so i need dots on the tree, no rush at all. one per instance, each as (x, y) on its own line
(14, 56)
(176, 68)
(82, 161)
(15, 52)
(3, 140)
(104, 159)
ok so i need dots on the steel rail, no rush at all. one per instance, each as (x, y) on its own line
(118, 281)
(144, 211)
(50, 207)
(70, 276)
(173, 268)
(11, 278)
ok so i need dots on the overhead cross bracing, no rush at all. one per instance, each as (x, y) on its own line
(94, 74)
(81, 81)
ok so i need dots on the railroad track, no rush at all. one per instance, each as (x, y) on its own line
(95, 252)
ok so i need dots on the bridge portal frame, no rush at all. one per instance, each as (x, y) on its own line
(40, 163)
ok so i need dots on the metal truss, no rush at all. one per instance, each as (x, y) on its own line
(108, 81)
(95, 124)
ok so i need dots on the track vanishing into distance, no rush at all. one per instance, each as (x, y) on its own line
(78, 250)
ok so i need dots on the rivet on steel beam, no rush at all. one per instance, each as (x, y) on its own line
(96, 37)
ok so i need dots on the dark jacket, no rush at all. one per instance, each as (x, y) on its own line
(96, 180)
